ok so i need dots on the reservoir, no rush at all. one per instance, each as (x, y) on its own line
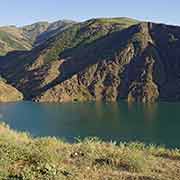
(157, 123)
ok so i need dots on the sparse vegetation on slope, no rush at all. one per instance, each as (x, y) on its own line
(14, 38)
(91, 40)
(25, 158)
(85, 33)
(105, 59)
(9, 93)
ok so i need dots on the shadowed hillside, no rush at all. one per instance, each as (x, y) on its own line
(100, 59)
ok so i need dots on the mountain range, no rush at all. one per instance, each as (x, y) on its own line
(107, 59)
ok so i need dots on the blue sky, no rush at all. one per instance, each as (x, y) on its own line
(21, 12)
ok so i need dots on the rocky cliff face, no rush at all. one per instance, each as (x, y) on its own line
(100, 59)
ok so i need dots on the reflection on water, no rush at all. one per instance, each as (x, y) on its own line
(152, 123)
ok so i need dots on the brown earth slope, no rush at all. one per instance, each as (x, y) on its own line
(100, 59)
(9, 93)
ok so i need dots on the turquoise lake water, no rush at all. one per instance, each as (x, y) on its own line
(154, 123)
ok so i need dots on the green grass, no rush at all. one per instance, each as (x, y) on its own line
(25, 158)
(123, 21)
(10, 41)
(85, 33)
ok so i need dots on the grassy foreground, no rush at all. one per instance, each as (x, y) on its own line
(25, 158)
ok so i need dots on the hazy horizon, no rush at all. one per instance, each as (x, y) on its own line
(51, 21)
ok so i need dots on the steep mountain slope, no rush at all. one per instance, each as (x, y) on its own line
(38, 33)
(9, 93)
(100, 59)
(12, 38)
(25, 38)
(32, 31)
(52, 29)
(34, 70)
